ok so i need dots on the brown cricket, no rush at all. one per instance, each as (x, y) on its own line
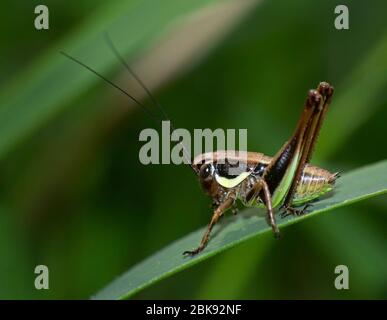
(286, 180)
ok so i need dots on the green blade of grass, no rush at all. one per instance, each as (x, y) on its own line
(355, 186)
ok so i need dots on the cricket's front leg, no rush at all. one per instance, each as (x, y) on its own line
(226, 204)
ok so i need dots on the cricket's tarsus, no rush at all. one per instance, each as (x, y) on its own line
(285, 180)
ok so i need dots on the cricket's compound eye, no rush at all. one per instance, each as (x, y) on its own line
(206, 171)
(259, 169)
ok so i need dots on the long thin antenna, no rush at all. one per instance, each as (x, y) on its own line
(135, 76)
(154, 117)
(149, 93)
(146, 109)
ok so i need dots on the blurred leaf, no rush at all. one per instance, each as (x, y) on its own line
(16, 272)
(357, 185)
(246, 258)
(358, 99)
(46, 88)
(357, 245)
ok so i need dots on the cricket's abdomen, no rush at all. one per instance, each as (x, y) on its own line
(313, 183)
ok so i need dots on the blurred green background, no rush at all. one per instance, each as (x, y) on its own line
(73, 195)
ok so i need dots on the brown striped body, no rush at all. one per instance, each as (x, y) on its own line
(313, 183)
